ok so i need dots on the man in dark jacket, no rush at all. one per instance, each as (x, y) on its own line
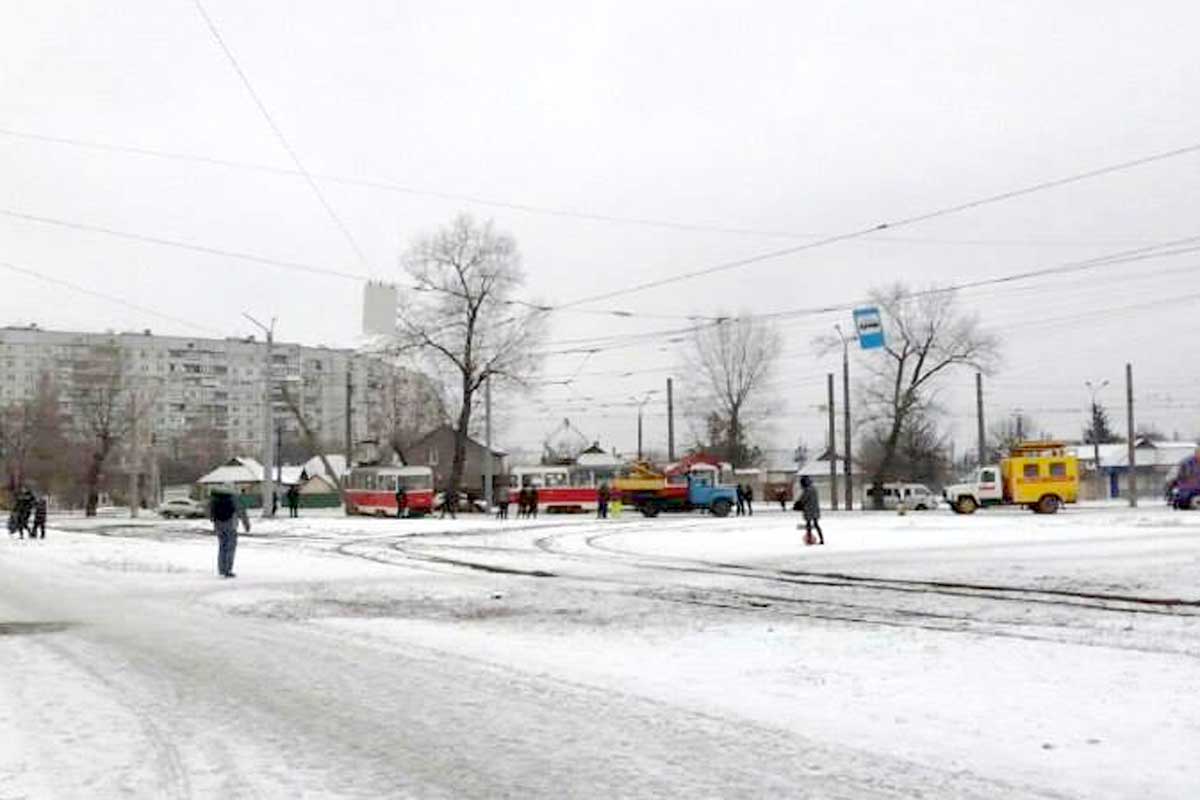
(741, 501)
(602, 496)
(749, 494)
(39, 519)
(401, 502)
(225, 510)
(293, 500)
(810, 505)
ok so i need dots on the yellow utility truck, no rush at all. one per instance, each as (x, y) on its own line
(1038, 475)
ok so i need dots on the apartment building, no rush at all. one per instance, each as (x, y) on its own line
(184, 385)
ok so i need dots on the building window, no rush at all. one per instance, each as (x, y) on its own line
(433, 457)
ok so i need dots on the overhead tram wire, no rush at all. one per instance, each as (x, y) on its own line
(333, 215)
(890, 225)
(1182, 246)
(380, 184)
(32, 273)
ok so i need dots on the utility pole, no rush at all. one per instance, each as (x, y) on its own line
(1101, 489)
(155, 477)
(1132, 445)
(278, 460)
(846, 457)
(1020, 427)
(134, 467)
(268, 429)
(639, 433)
(979, 418)
(833, 481)
(670, 421)
(349, 412)
(488, 479)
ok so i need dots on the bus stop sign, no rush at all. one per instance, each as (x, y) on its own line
(869, 324)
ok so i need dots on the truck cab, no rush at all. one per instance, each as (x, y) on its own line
(984, 488)
(703, 492)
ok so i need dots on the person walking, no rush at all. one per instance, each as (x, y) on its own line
(225, 510)
(602, 496)
(39, 519)
(533, 501)
(749, 491)
(741, 501)
(401, 502)
(293, 500)
(781, 496)
(502, 504)
(449, 501)
(810, 505)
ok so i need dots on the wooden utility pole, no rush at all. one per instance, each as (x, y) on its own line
(833, 481)
(979, 418)
(349, 413)
(488, 479)
(1130, 428)
(846, 457)
(670, 421)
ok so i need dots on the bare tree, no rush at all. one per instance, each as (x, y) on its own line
(464, 320)
(106, 402)
(410, 406)
(730, 364)
(927, 337)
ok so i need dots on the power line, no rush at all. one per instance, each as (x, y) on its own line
(101, 295)
(362, 258)
(394, 187)
(902, 222)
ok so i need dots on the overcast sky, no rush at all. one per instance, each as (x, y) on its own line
(751, 125)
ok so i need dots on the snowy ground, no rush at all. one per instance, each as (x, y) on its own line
(931, 655)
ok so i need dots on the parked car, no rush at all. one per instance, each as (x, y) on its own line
(915, 496)
(182, 507)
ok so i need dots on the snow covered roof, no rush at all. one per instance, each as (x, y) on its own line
(589, 458)
(235, 470)
(336, 462)
(1156, 453)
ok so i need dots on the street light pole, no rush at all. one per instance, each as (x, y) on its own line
(1094, 389)
(640, 405)
(268, 483)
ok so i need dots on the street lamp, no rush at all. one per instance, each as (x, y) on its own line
(1094, 389)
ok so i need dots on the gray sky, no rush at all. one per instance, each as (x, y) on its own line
(785, 119)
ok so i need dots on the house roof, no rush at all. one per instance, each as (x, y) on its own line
(337, 463)
(445, 427)
(236, 470)
(1149, 453)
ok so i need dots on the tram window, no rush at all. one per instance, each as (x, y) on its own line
(387, 483)
(369, 482)
(582, 478)
(556, 479)
(417, 483)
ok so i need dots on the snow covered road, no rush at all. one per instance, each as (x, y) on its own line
(924, 656)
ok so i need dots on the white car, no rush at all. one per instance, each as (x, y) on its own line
(914, 496)
(181, 507)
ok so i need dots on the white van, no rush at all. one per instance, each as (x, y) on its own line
(915, 496)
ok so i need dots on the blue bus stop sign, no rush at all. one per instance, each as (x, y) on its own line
(868, 322)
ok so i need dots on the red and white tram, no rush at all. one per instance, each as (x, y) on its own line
(372, 490)
(560, 489)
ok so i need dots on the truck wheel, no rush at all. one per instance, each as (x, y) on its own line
(1194, 505)
(720, 508)
(966, 505)
(1048, 504)
(649, 509)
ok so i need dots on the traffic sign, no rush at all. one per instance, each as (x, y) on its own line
(868, 322)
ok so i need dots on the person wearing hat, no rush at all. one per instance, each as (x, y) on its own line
(225, 511)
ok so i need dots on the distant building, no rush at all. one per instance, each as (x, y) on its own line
(436, 450)
(213, 389)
